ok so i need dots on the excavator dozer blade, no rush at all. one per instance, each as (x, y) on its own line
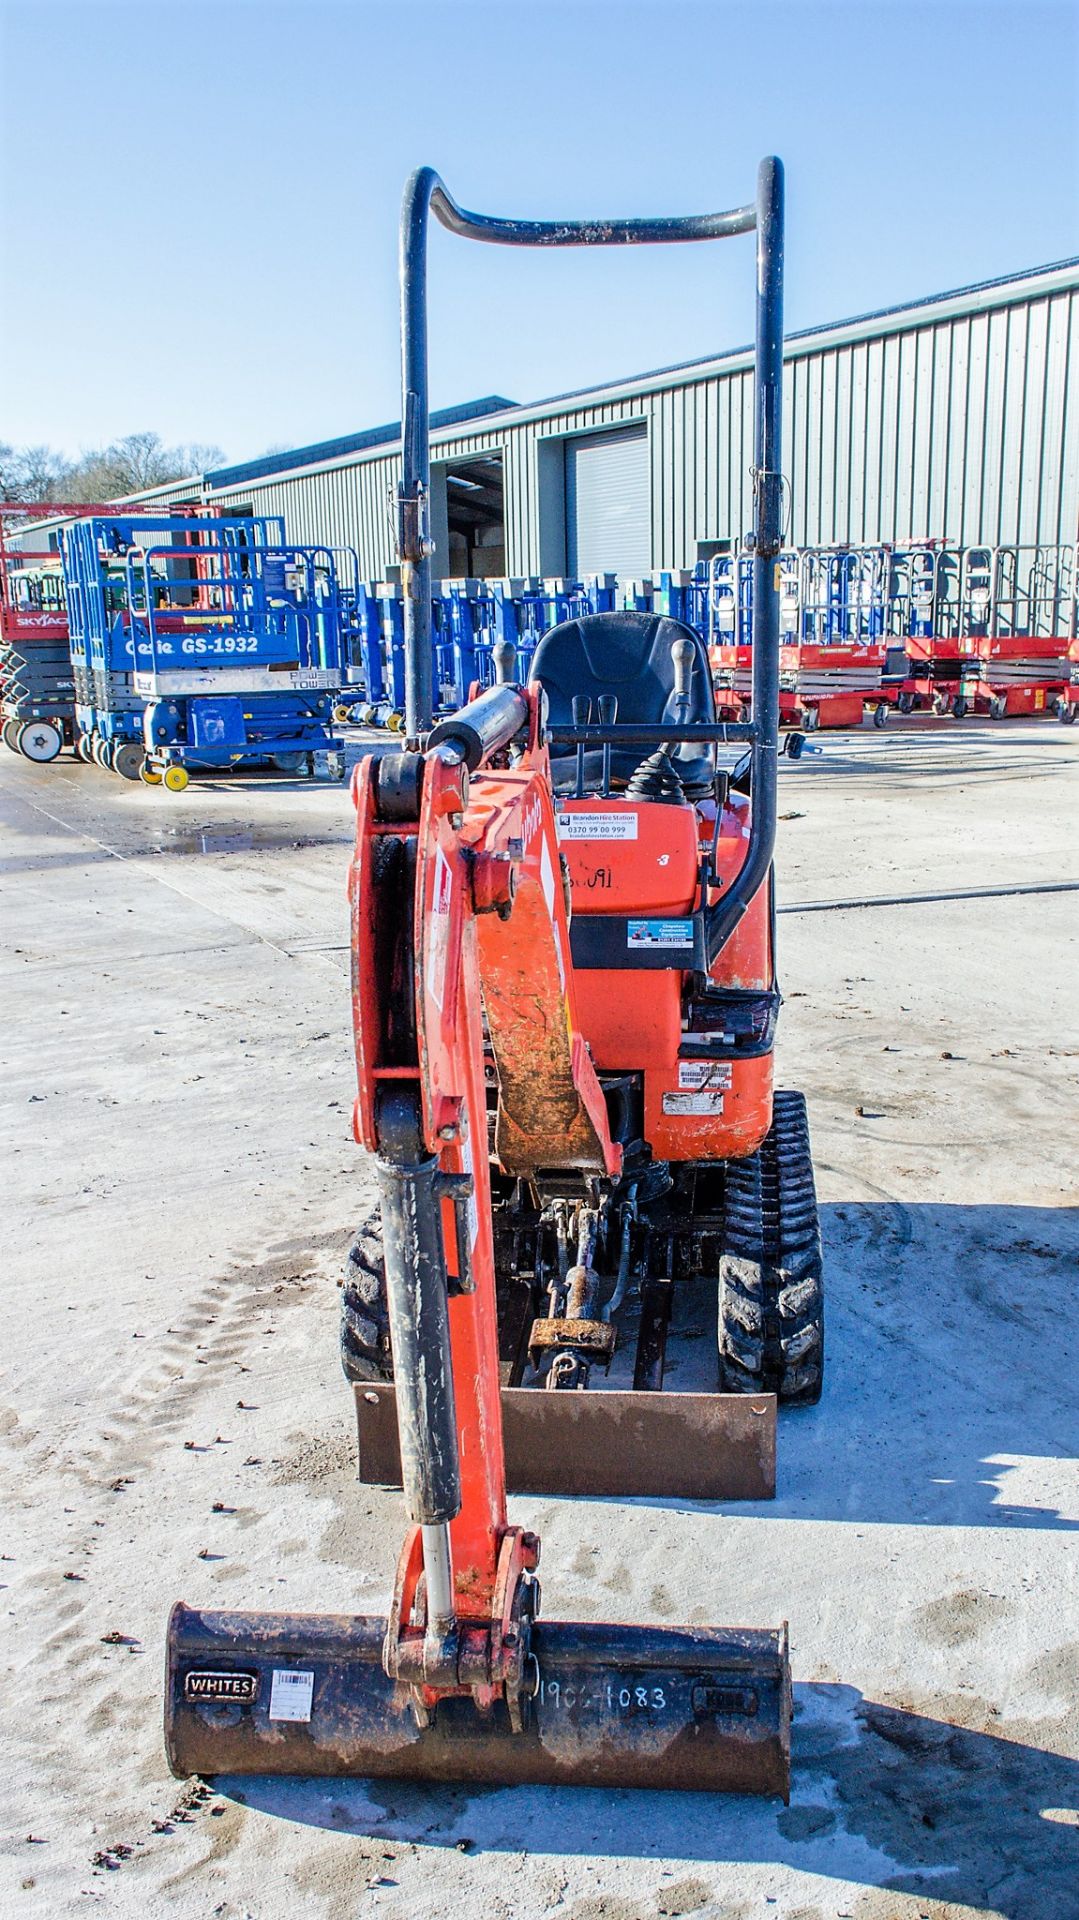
(700, 1708)
(614, 1444)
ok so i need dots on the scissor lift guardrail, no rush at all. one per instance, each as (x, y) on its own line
(203, 642)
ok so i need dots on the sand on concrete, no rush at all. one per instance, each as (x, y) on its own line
(180, 1185)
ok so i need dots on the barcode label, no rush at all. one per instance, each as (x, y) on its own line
(290, 1694)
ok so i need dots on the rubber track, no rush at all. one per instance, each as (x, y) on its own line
(771, 1297)
(365, 1325)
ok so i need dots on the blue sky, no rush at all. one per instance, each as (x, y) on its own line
(199, 203)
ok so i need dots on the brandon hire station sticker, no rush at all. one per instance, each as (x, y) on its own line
(597, 826)
(659, 933)
(290, 1694)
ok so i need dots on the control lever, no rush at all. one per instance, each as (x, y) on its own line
(682, 652)
(503, 660)
(608, 714)
(581, 707)
(657, 778)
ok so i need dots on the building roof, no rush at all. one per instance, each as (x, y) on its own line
(326, 450)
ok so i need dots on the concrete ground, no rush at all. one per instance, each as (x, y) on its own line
(180, 1186)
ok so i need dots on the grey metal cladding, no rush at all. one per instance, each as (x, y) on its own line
(956, 418)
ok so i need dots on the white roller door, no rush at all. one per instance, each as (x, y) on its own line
(608, 503)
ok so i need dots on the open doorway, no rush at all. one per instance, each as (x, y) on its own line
(475, 516)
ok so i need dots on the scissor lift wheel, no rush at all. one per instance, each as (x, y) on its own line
(127, 760)
(39, 740)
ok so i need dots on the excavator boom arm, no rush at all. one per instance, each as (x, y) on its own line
(464, 904)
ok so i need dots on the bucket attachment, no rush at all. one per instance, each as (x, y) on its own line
(705, 1709)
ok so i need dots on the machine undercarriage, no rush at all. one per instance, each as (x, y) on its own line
(575, 1259)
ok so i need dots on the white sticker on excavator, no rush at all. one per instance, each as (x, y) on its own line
(291, 1693)
(597, 826)
(438, 928)
(683, 1105)
(704, 1073)
(547, 880)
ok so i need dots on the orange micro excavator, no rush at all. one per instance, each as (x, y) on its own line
(565, 1002)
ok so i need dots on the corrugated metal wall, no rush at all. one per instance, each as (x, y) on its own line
(957, 419)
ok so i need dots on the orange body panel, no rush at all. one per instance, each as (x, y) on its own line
(744, 1115)
(633, 1021)
(629, 856)
(630, 1020)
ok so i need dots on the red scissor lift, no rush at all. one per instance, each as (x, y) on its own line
(986, 630)
(1021, 664)
(831, 667)
(832, 635)
(1067, 705)
(37, 691)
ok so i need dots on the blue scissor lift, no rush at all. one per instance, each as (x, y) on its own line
(202, 642)
(471, 620)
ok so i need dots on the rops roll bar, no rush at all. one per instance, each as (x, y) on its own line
(427, 193)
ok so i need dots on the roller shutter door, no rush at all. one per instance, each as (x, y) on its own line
(608, 503)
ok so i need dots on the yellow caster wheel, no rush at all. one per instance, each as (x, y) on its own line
(175, 779)
(149, 774)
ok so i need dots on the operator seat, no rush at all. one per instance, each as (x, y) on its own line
(627, 655)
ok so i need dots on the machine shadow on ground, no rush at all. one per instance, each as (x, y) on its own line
(881, 1796)
(948, 1386)
(948, 1382)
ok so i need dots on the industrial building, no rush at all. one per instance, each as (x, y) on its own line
(956, 417)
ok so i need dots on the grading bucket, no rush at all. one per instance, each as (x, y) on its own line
(700, 1708)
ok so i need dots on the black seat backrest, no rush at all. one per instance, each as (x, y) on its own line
(629, 655)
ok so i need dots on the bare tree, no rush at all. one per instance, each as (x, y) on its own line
(32, 473)
(129, 465)
(136, 462)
